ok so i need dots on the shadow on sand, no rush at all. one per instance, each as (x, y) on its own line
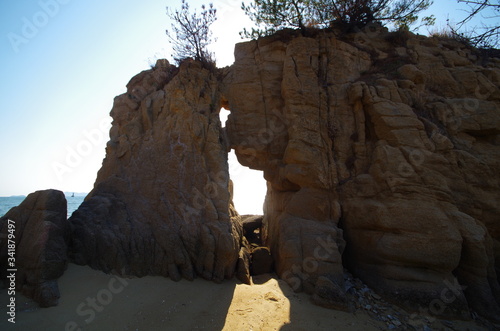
(93, 300)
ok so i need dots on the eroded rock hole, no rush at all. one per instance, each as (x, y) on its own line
(249, 192)
(249, 187)
(223, 115)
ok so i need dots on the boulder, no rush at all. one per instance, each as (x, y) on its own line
(40, 231)
(250, 224)
(262, 261)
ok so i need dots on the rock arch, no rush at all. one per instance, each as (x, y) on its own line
(366, 169)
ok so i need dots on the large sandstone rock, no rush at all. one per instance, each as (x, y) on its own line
(276, 125)
(161, 203)
(385, 145)
(41, 234)
(381, 152)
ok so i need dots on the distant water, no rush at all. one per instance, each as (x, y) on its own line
(74, 202)
(6, 203)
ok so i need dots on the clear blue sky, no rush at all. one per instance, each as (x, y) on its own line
(63, 62)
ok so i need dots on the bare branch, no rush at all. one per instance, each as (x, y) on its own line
(486, 36)
(190, 34)
(348, 14)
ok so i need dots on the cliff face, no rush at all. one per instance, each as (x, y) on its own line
(380, 157)
(381, 153)
(161, 203)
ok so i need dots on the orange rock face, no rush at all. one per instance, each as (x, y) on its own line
(381, 152)
(161, 204)
(382, 158)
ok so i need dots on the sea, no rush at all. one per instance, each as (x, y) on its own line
(6, 203)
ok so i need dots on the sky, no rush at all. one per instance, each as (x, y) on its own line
(63, 61)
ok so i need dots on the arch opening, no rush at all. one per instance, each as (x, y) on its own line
(249, 193)
(223, 115)
(249, 186)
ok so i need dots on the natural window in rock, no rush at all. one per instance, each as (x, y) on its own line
(223, 114)
(249, 187)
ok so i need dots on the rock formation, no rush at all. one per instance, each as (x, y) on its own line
(41, 234)
(260, 257)
(161, 203)
(388, 150)
(252, 226)
(381, 153)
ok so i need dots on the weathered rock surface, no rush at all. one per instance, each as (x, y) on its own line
(41, 233)
(250, 224)
(244, 261)
(262, 261)
(381, 152)
(161, 203)
(385, 145)
(275, 126)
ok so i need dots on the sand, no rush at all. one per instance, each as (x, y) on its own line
(92, 300)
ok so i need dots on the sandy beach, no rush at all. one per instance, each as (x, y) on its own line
(157, 303)
(93, 300)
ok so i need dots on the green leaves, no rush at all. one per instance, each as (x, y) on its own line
(272, 15)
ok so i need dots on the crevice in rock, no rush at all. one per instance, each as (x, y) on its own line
(261, 260)
(223, 116)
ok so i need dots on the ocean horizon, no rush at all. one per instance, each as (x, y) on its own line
(6, 203)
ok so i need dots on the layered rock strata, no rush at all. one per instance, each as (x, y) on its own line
(383, 144)
(381, 153)
(161, 203)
